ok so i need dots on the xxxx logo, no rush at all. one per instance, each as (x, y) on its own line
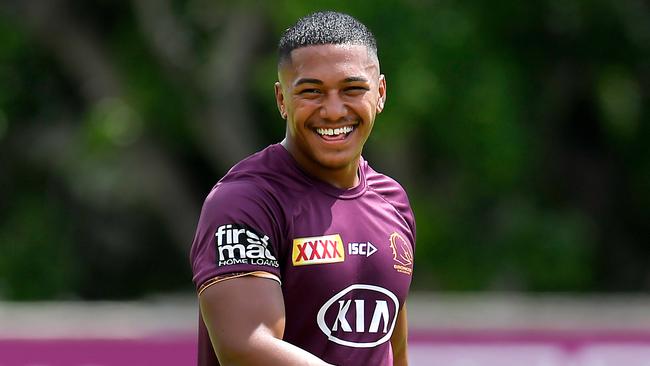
(317, 250)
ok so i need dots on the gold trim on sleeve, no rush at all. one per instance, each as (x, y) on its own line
(228, 276)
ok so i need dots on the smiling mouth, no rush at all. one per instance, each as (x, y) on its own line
(334, 134)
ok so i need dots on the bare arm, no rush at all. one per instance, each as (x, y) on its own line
(398, 340)
(245, 319)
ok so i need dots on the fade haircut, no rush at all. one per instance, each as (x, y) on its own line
(327, 27)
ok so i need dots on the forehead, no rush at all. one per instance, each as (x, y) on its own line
(331, 61)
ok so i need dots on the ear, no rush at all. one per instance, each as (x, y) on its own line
(279, 100)
(382, 93)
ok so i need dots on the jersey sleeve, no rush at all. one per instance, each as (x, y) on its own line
(394, 194)
(402, 204)
(237, 234)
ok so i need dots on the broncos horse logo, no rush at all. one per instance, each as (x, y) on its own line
(402, 251)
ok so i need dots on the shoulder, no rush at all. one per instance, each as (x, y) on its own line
(265, 183)
(242, 195)
(386, 187)
(257, 166)
(272, 171)
(391, 191)
(245, 189)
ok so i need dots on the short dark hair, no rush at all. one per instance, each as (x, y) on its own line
(326, 27)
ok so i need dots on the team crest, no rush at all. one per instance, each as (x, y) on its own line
(402, 254)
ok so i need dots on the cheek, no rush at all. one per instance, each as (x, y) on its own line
(303, 110)
(369, 107)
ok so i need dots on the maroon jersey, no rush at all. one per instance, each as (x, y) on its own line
(344, 258)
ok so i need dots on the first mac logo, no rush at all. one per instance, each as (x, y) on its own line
(238, 244)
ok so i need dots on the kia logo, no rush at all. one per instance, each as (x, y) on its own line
(360, 316)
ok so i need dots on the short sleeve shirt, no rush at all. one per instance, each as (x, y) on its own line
(344, 258)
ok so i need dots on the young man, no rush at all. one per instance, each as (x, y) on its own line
(303, 254)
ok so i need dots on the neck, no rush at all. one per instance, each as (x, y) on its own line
(345, 177)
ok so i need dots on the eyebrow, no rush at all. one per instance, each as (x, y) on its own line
(355, 78)
(320, 82)
(308, 81)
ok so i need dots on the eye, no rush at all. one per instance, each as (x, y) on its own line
(310, 91)
(355, 90)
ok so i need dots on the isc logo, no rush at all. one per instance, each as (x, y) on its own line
(360, 316)
(363, 249)
(317, 250)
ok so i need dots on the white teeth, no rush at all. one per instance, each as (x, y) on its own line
(334, 131)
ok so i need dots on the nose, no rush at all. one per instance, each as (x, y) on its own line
(333, 108)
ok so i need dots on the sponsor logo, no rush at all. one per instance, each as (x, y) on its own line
(317, 250)
(359, 316)
(364, 249)
(238, 244)
(402, 254)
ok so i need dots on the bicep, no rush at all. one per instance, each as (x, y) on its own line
(399, 339)
(238, 311)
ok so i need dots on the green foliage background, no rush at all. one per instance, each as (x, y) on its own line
(519, 129)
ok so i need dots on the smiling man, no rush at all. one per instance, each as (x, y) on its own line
(303, 254)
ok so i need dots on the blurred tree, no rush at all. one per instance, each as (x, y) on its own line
(519, 129)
